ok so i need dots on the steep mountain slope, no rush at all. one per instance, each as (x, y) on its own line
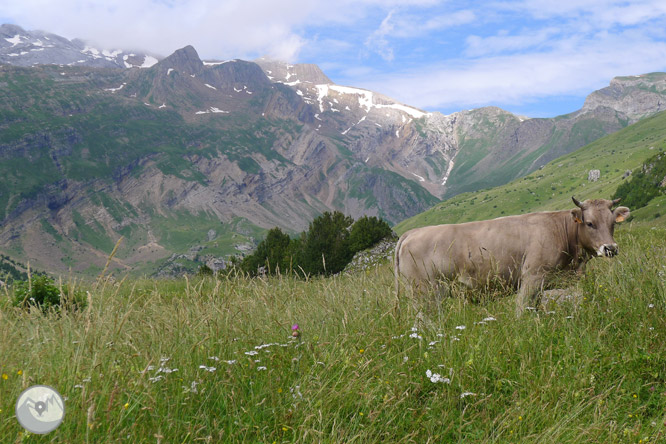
(498, 146)
(446, 155)
(181, 158)
(467, 150)
(192, 160)
(551, 187)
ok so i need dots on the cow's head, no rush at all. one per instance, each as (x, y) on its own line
(597, 219)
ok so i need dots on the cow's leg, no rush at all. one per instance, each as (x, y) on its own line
(529, 292)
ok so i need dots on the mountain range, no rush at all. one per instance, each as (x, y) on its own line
(192, 160)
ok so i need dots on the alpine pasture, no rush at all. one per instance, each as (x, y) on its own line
(214, 360)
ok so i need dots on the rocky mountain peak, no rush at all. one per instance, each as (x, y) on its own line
(635, 96)
(9, 30)
(28, 48)
(283, 72)
(185, 60)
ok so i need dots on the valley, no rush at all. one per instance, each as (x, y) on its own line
(190, 161)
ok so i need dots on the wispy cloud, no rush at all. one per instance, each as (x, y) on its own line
(504, 42)
(436, 54)
(378, 42)
(577, 67)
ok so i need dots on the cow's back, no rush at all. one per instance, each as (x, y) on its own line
(475, 251)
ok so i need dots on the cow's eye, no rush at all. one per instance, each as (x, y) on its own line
(590, 224)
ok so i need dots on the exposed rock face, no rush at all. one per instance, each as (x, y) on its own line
(168, 154)
(634, 96)
(210, 144)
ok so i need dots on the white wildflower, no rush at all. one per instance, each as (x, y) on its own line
(260, 368)
(208, 369)
(231, 362)
(460, 327)
(252, 353)
(192, 388)
(466, 394)
(415, 336)
(436, 377)
(489, 318)
(214, 358)
(156, 378)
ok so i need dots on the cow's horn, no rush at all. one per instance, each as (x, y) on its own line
(578, 204)
(615, 202)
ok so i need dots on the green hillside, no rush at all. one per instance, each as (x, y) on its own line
(551, 187)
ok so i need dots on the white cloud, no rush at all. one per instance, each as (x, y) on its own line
(217, 29)
(576, 68)
(378, 42)
(229, 29)
(433, 53)
(503, 42)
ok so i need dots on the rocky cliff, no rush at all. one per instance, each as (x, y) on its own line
(190, 160)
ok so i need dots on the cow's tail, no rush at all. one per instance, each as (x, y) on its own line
(396, 270)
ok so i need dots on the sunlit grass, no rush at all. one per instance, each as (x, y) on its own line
(215, 361)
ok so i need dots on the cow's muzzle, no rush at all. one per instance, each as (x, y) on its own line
(608, 250)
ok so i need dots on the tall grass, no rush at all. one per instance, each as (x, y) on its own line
(213, 360)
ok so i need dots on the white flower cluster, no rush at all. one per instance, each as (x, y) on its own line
(436, 377)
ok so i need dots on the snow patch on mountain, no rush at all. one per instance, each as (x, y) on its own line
(366, 99)
(14, 40)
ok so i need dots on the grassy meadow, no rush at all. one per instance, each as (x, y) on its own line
(214, 360)
(551, 187)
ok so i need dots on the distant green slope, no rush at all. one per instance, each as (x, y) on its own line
(551, 187)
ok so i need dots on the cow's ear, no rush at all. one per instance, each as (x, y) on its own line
(621, 214)
(577, 215)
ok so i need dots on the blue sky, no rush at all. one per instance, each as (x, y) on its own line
(538, 58)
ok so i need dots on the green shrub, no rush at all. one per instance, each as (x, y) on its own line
(273, 253)
(204, 270)
(645, 183)
(326, 248)
(42, 292)
(366, 232)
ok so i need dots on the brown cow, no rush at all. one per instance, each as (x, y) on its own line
(522, 250)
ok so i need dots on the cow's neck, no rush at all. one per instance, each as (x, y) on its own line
(574, 248)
